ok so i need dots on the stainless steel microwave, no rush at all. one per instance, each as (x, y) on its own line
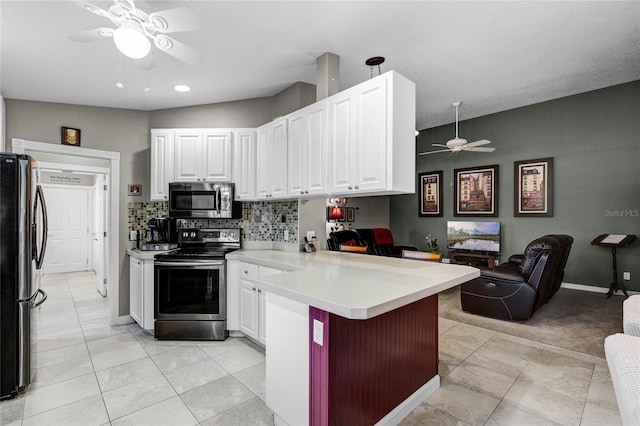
(203, 200)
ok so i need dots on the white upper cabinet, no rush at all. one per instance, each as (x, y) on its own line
(161, 164)
(271, 158)
(217, 155)
(359, 142)
(308, 148)
(203, 155)
(244, 164)
(372, 137)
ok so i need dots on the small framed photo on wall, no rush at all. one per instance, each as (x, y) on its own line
(430, 199)
(476, 191)
(533, 187)
(135, 189)
(70, 136)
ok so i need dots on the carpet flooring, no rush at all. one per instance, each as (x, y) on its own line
(573, 319)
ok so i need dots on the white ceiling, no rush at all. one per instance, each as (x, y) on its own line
(493, 56)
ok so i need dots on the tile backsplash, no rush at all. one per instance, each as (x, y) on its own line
(261, 220)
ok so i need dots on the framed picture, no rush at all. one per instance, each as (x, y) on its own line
(70, 136)
(430, 184)
(135, 189)
(475, 191)
(533, 187)
(351, 215)
(343, 210)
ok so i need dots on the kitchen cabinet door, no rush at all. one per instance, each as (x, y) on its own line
(249, 309)
(370, 156)
(244, 168)
(161, 164)
(216, 155)
(188, 155)
(343, 135)
(271, 158)
(307, 150)
(135, 289)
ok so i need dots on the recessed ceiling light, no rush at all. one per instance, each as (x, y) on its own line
(182, 88)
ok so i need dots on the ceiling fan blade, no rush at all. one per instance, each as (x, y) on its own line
(478, 143)
(91, 35)
(175, 20)
(93, 9)
(177, 49)
(466, 148)
(433, 152)
(439, 144)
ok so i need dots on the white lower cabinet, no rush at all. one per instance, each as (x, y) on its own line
(246, 299)
(141, 292)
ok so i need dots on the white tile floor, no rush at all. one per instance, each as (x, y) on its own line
(89, 373)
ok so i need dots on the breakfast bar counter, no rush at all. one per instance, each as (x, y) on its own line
(352, 338)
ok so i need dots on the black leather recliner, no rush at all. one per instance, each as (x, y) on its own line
(517, 288)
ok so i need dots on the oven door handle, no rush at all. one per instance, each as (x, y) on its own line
(206, 263)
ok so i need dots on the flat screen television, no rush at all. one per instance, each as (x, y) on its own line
(473, 236)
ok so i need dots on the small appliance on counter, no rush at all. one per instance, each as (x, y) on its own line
(162, 234)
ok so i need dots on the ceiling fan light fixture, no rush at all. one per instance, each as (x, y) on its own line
(130, 40)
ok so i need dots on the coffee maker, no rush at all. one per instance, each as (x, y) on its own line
(161, 234)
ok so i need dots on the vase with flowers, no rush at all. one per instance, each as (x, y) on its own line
(432, 244)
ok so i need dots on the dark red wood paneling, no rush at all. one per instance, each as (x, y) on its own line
(373, 365)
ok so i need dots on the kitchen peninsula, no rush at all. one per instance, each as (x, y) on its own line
(352, 338)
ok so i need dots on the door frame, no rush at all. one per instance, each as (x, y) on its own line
(19, 146)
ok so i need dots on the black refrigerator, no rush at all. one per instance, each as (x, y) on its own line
(23, 238)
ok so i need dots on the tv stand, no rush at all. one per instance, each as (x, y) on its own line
(471, 259)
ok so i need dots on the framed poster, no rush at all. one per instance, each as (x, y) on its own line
(350, 214)
(533, 187)
(475, 191)
(430, 200)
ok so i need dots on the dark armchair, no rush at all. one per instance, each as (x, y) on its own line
(347, 237)
(517, 288)
(380, 241)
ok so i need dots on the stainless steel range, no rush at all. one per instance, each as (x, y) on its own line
(190, 285)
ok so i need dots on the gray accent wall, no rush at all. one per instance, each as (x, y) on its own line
(594, 139)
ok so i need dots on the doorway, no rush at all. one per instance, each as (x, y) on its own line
(86, 160)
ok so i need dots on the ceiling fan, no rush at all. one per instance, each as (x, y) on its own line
(457, 144)
(136, 29)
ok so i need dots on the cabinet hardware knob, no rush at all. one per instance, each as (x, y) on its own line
(259, 291)
(254, 289)
(302, 192)
(306, 192)
(350, 187)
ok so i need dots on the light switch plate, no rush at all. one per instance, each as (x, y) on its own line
(311, 235)
(318, 332)
(132, 236)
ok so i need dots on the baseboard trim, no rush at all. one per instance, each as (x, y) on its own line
(594, 289)
(405, 408)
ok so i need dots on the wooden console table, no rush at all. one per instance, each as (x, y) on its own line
(614, 241)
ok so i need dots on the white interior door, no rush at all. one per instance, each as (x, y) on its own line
(68, 237)
(99, 221)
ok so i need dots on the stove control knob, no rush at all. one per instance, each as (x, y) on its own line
(192, 235)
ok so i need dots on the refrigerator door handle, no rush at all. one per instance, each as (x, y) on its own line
(35, 304)
(39, 257)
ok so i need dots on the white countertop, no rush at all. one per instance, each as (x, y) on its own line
(353, 285)
(145, 254)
